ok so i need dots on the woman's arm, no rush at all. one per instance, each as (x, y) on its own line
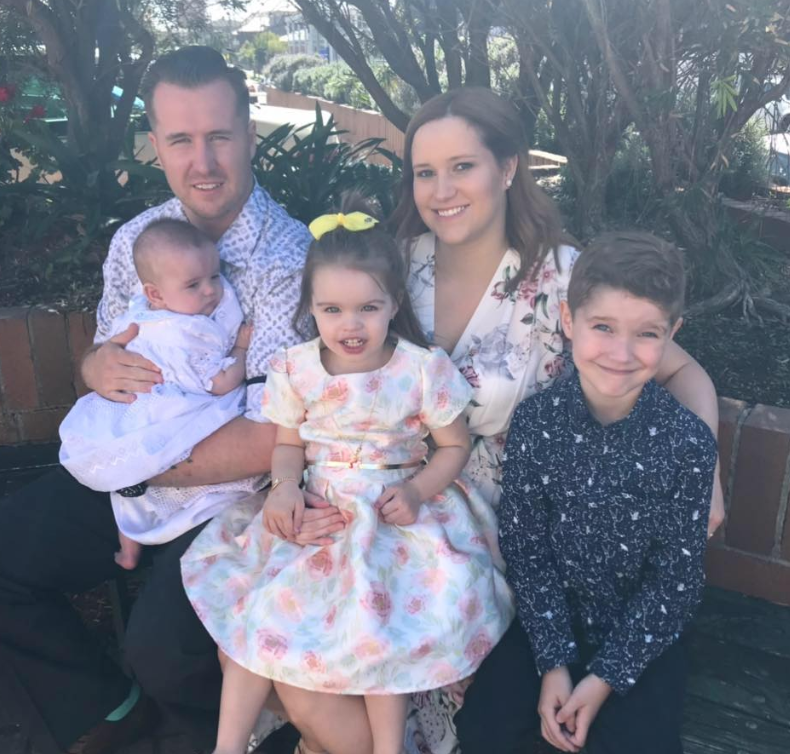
(689, 383)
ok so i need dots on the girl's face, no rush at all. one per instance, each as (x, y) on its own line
(352, 312)
(459, 187)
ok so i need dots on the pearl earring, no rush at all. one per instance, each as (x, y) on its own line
(508, 183)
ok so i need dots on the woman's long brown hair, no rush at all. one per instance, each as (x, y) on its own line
(532, 222)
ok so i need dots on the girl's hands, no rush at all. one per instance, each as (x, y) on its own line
(283, 510)
(555, 691)
(399, 504)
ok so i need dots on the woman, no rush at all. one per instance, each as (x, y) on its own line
(488, 271)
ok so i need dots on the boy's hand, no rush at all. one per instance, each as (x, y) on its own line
(243, 336)
(555, 691)
(578, 713)
(283, 510)
(399, 504)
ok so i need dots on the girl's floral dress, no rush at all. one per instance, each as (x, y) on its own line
(511, 348)
(384, 609)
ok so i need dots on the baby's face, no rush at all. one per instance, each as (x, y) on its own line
(187, 280)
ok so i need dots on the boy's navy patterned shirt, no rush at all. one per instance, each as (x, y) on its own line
(603, 528)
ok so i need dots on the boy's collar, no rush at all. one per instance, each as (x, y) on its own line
(581, 415)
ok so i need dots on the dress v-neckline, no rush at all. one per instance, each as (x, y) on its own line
(476, 314)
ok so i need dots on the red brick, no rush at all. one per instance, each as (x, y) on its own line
(41, 425)
(749, 574)
(16, 362)
(81, 327)
(762, 460)
(8, 433)
(51, 357)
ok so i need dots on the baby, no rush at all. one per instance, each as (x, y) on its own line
(190, 327)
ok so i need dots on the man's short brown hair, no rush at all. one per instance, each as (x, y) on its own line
(638, 263)
(191, 67)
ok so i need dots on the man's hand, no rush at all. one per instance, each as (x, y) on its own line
(319, 522)
(555, 691)
(399, 504)
(578, 713)
(117, 374)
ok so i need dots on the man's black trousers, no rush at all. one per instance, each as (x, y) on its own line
(56, 537)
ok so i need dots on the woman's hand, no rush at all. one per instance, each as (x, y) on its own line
(243, 336)
(319, 522)
(716, 516)
(555, 690)
(399, 504)
(283, 510)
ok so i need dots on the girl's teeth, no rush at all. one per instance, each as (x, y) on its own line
(352, 343)
(450, 212)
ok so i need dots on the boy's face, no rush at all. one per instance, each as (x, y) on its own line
(618, 343)
(187, 280)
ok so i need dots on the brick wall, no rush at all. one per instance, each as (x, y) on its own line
(39, 380)
(39, 376)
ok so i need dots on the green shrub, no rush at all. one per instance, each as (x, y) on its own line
(747, 174)
(280, 70)
(307, 169)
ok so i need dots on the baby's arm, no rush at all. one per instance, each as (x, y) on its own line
(230, 378)
(400, 504)
(284, 506)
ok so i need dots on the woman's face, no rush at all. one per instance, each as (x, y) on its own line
(459, 187)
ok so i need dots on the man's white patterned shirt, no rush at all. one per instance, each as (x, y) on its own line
(262, 255)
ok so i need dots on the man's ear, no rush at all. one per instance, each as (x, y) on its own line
(566, 319)
(154, 296)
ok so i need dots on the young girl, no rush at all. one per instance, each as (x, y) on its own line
(407, 597)
(191, 327)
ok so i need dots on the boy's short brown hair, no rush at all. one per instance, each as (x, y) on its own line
(635, 262)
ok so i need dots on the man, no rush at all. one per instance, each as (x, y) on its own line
(58, 536)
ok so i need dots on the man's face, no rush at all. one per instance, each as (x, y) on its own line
(205, 148)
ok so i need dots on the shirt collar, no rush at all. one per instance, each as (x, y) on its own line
(582, 417)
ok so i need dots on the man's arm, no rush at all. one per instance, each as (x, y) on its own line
(240, 449)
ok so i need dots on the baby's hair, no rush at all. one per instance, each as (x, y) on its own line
(165, 232)
(635, 262)
(373, 251)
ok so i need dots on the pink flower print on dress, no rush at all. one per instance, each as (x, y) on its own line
(378, 601)
(329, 618)
(370, 647)
(478, 647)
(290, 606)
(314, 663)
(443, 673)
(423, 649)
(448, 551)
(415, 605)
(347, 582)
(336, 391)
(471, 607)
(401, 554)
(434, 580)
(240, 605)
(373, 385)
(320, 565)
(271, 644)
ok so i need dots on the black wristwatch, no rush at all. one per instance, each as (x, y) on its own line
(134, 491)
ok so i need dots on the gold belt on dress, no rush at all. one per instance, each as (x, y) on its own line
(368, 466)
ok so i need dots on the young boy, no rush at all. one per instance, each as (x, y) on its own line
(606, 490)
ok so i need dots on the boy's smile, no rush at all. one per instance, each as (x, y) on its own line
(618, 343)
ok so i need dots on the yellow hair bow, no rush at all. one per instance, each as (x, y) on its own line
(354, 221)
